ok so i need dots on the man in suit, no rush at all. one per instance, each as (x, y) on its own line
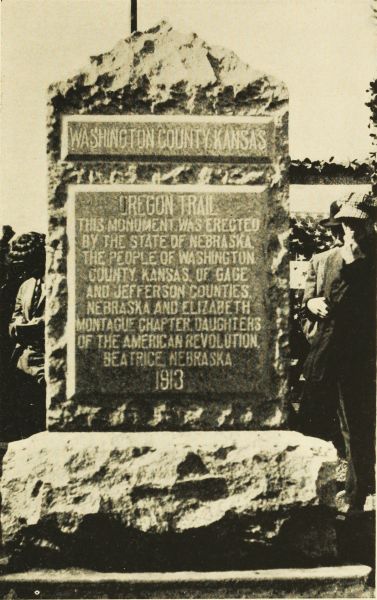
(340, 368)
(318, 409)
(315, 276)
(27, 330)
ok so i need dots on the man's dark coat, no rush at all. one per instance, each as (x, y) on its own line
(340, 366)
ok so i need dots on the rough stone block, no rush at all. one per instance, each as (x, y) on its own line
(157, 501)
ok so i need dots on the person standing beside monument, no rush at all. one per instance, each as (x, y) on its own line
(317, 415)
(340, 368)
(315, 276)
(27, 379)
(8, 290)
(8, 233)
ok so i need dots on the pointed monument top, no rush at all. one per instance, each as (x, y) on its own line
(171, 71)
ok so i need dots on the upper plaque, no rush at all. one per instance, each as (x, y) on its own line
(232, 138)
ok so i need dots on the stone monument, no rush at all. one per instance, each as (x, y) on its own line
(167, 326)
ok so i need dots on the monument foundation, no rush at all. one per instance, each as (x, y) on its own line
(170, 501)
(167, 327)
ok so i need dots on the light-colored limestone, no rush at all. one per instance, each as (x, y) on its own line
(266, 484)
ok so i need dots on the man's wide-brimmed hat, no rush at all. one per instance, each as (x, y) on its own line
(330, 221)
(356, 205)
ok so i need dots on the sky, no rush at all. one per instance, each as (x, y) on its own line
(324, 50)
(317, 198)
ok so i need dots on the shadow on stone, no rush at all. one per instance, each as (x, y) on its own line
(102, 542)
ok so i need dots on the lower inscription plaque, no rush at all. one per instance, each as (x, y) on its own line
(170, 287)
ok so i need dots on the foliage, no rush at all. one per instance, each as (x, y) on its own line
(372, 104)
(321, 171)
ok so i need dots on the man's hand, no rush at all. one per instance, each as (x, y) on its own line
(318, 306)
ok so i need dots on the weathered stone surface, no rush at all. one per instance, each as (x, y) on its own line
(169, 500)
(163, 72)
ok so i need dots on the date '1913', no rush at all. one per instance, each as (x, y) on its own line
(169, 379)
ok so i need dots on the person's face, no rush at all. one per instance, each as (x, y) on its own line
(359, 229)
(337, 235)
(17, 270)
(32, 267)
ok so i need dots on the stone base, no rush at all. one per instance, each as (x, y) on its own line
(324, 582)
(169, 501)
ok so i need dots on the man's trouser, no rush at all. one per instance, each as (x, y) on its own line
(356, 412)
